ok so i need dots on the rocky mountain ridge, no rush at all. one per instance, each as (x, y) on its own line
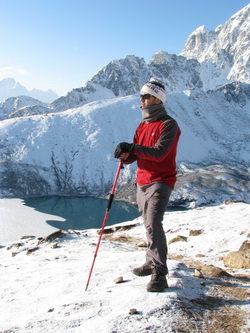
(16, 107)
(71, 152)
(209, 60)
(226, 48)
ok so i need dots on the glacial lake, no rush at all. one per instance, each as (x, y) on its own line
(80, 213)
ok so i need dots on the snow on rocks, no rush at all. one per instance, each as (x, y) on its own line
(45, 291)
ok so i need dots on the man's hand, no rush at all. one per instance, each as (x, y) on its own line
(123, 157)
(123, 147)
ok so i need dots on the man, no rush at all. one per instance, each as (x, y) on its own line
(154, 148)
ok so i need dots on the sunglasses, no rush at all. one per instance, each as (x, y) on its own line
(145, 96)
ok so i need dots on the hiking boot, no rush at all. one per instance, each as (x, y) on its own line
(158, 282)
(144, 270)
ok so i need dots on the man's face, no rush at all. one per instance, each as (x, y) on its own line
(148, 100)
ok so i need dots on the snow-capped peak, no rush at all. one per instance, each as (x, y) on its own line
(227, 47)
(9, 87)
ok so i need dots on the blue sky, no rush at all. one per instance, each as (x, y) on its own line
(60, 44)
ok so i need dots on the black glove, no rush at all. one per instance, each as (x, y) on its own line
(124, 147)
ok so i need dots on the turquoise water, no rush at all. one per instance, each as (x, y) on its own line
(82, 213)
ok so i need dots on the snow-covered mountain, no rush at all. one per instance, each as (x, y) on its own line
(71, 152)
(209, 60)
(225, 50)
(16, 107)
(222, 56)
(10, 88)
(66, 147)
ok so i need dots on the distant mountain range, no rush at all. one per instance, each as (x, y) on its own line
(10, 88)
(67, 147)
(208, 61)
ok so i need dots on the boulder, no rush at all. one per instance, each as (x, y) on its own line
(245, 246)
(195, 232)
(178, 239)
(211, 271)
(238, 259)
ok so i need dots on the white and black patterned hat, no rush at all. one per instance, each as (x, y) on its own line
(156, 88)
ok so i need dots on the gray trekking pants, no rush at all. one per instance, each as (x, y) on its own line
(152, 200)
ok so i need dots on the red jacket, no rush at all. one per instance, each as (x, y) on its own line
(155, 151)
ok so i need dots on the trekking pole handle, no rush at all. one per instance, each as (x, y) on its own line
(112, 193)
(120, 166)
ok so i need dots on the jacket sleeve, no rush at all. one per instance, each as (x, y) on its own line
(162, 146)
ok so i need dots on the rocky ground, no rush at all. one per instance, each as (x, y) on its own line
(43, 278)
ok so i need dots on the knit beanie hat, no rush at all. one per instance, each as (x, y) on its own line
(156, 88)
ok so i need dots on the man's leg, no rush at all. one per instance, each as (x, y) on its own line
(152, 201)
(154, 210)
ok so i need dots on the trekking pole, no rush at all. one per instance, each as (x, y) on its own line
(104, 220)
